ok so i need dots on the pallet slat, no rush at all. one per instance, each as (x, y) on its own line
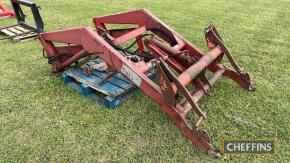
(24, 37)
(120, 83)
(107, 88)
(8, 33)
(22, 29)
(14, 30)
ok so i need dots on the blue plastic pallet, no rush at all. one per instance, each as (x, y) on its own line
(111, 93)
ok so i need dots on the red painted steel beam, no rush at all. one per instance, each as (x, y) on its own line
(119, 32)
(141, 18)
(129, 35)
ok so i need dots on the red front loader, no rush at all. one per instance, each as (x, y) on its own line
(184, 73)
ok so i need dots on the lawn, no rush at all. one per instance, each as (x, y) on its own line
(43, 120)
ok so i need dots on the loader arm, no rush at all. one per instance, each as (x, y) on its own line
(143, 18)
(93, 43)
(156, 47)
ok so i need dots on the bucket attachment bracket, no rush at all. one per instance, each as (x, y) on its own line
(213, 39)
(166, 74)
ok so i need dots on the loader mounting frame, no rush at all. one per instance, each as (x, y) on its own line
(39, 26)
(23, 30)
(177, 61)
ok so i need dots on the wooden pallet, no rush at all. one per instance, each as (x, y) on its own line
(18, 33)
(110, 94)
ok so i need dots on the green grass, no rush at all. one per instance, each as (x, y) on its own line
(41, 119)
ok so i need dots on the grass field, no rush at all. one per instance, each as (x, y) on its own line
(42, 120)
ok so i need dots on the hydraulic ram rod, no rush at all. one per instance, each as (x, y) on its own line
(188, 75)
(169, 49)
(192, 72)
(61, 66)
